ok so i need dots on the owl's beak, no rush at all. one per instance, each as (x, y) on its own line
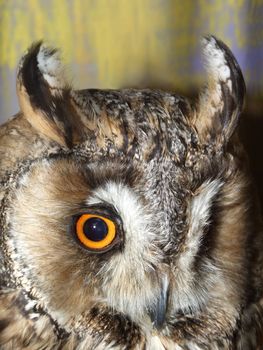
(158, 313)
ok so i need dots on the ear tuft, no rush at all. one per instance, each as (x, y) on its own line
(51, 67)
(41, 66)
(215, 62)
(222, 101)
(44, 93)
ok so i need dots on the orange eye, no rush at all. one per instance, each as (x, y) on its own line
(95, 231)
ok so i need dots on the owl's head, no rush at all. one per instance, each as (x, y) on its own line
(127, 202)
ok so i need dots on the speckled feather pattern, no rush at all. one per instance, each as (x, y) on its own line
(187, 274)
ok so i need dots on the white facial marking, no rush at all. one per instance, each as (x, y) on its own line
(192, 346)
(199, 215)
(154, 343)
(135, 217)
(129, 285)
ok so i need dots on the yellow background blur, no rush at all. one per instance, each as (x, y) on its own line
(120, 43)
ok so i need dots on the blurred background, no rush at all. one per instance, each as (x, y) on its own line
(139, 43)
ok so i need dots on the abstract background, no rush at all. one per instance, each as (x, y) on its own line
(139, 43)
(117, 43)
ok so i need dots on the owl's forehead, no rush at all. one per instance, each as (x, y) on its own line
(92, 171)
(140, 124)
(126, 134)
(74, 176)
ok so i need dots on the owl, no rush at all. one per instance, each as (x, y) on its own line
(128, 217)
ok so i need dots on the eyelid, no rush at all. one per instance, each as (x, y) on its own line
(104, 243)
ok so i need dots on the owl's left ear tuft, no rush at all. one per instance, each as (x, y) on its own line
(221, 102)
(44, 93)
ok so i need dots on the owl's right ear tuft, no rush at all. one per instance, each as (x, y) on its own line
(44, 93)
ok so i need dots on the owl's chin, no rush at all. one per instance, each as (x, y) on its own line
(146, 315)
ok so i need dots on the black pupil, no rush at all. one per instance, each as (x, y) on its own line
(95, 229)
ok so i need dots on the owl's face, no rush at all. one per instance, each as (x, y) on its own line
(127, 203)
(86, 233)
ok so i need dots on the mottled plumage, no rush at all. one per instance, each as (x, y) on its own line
(185, 269)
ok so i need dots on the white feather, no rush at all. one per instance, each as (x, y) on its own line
(51, 67)
(215, 61)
